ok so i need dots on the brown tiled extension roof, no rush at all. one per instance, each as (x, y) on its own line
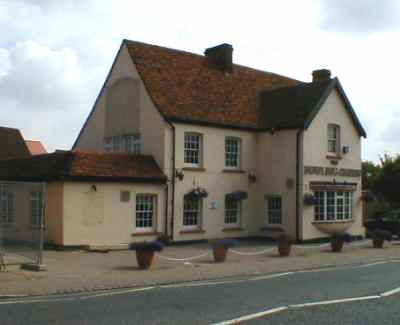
(35, 147)
(70, 165)
(188, 87)
(12, 144)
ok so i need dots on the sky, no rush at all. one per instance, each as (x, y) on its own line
(55, 55)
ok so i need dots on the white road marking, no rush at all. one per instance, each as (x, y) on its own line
(252, 316)
(104, 294)
(199, 284)
(331, 302)
(373, 264)
(271, 276)
(390, 292)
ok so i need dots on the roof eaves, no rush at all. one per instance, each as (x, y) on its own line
(98, 96)
(350, 109)
(319, 104)
(211, 124)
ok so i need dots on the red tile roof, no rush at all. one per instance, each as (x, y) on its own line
(35, 147)
(12, 144)
(188, 87)
(83, 166)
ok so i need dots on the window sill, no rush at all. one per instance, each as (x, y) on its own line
(232, 229)
(194, 169)
(234, 171)
(332, 221)
(333, 157)
(147, 233)
(192, 231)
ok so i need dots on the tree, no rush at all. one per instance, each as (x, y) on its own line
(388, 182)
(370, 174)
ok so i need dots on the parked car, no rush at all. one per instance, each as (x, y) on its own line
(389, 221)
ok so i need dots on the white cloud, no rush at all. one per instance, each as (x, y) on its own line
(56, 54)
(360, 15)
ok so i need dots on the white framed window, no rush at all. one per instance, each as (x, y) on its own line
(232, 152)
(193, 145)
(132, 143)
(333, 206)
(36, 208)
(232, 211)
(333, 139)
(108, 144)
(6, 205)
(191, 211)
(273, 209)
(145, 212)
(128, 143)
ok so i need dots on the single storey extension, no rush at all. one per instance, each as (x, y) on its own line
(91, 198)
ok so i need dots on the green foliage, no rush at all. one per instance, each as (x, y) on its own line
(388, 182)
(370, 174)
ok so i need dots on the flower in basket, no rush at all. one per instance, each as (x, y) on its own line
(152, 246)
(226, 242)
(310, 199)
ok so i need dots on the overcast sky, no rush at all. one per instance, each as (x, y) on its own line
(55, 54)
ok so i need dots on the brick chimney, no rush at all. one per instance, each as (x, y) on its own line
(221, 56)
(321, 75)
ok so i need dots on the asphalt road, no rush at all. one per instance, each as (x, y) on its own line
(384, 311)
(209, 303)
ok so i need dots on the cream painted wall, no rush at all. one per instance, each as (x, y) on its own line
(152, 127)
(216, 182)
(99, 218)
(276, 167)
(315, 152)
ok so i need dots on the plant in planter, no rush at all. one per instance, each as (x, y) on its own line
(145, 252)
(164, 239)
(337, 241)
(379, 236)
(309, 199)
(220, 248)
(285, 243)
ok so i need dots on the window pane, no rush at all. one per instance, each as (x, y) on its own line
(333, 205)
(191, 211)
(192, 149)
(232, 152)
(319, 209)
(144, 211)
(132, 144)
(232, 211)
(274, 210)
(333, 138)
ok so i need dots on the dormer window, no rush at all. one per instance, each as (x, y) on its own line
(333, 139)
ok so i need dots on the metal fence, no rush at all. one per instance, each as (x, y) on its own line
(22, 208)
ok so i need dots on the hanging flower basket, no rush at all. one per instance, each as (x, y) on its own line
(309, 199)
(237, 195)
(199, 192)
